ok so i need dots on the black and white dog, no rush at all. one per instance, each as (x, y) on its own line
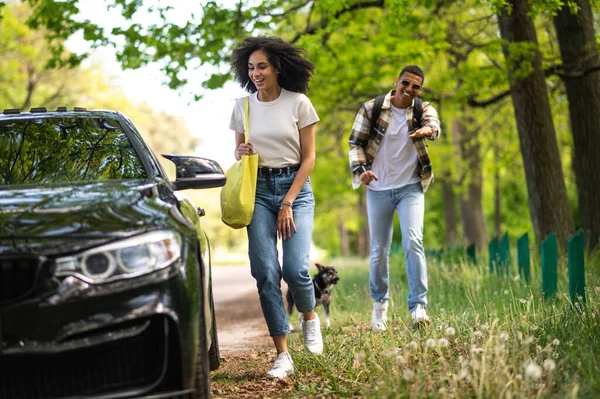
(323, 282)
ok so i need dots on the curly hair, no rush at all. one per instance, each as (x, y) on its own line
(294, 70)
(415, 70)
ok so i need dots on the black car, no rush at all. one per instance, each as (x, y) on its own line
(105, 282)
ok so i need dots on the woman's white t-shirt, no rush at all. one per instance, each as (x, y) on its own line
(275, 126)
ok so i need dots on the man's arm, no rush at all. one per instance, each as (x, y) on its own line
(431, 120)
(359, 139)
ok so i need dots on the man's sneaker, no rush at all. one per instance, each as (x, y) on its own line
(282, 367)
(419, 316)
(313, 339)
(379, 316)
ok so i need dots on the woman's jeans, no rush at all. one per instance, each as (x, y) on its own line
(409, 202)
(262, 243)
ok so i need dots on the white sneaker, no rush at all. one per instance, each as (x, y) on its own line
(282, 367)
(313, 339)
(419, 316)
(379, 316)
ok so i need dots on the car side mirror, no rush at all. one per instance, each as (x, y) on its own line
(195, 172)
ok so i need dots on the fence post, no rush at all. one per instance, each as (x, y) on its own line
(549, 266)
(504, 254)
(471, 253)
(523, 258)
(577, 267)
(493, 254)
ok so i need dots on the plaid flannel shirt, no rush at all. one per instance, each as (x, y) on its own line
(364, 146)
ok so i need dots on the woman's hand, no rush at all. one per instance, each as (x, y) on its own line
(285, 222)
(244, 149)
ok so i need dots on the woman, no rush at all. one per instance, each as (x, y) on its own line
(282, 132)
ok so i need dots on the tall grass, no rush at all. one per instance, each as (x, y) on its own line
(490, 337)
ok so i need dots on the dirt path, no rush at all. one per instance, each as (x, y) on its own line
(246, 347)
(241, 325)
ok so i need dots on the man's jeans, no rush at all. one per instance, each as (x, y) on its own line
(264, 262)
(409, 202)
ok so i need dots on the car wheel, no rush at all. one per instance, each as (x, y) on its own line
(213, 353)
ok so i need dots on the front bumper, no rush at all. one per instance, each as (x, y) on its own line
(120, 340)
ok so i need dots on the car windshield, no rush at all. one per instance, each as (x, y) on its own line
(66, 149)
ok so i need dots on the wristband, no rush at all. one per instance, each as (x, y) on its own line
(286, 203)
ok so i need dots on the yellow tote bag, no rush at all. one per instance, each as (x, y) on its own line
(237, 196)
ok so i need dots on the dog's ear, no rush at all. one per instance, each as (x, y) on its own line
(319, 267)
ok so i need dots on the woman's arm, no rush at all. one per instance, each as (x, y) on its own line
(241, 147)
(285, 219)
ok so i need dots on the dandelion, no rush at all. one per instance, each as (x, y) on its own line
(516, 277)
(443, 342)
(412, 345)
(462, 375)
(533, 371)
(400, 359)
(391, 352)
(360, 357)
(555, 342)
(476, 350)
(408, 375)
(430, 343)
(555, 355)
(549, 365)
(523, 300)
(506, 292)
(477, 334)
(534, 327)
(503, 336)
(450, 331)
(528, 340)
(538, 348)
(520, 336)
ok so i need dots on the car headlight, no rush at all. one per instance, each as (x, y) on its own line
(132, 257)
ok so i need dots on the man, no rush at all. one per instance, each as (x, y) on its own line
(390, 158)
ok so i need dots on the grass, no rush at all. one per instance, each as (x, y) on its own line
(491, 337)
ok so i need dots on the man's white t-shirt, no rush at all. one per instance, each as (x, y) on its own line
(397, 158)
(275, 126)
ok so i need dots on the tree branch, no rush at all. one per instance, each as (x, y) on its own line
(312, 29)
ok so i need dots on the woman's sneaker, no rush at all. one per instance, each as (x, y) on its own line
(313, 339)
(379, 316)
(282, 367)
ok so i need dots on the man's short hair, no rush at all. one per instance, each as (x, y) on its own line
(415, 70)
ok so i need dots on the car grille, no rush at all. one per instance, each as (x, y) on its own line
(134, 364)
(18, 276)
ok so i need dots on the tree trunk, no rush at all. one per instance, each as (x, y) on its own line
(471, 197)
(548, 202)
(449, 200)
(448, 183)
(579, 53)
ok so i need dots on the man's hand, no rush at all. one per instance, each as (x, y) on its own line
(367, 176)
(425, 131)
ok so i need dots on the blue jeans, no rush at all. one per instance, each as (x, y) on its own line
(262, 248)
(409, 202)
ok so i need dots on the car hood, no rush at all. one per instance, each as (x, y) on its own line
(58, 219)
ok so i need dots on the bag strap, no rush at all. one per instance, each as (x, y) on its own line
(418, 113)
(376, 112)
(246, 120)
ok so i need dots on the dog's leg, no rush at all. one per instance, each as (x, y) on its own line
(326, 308)
(290, 308)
